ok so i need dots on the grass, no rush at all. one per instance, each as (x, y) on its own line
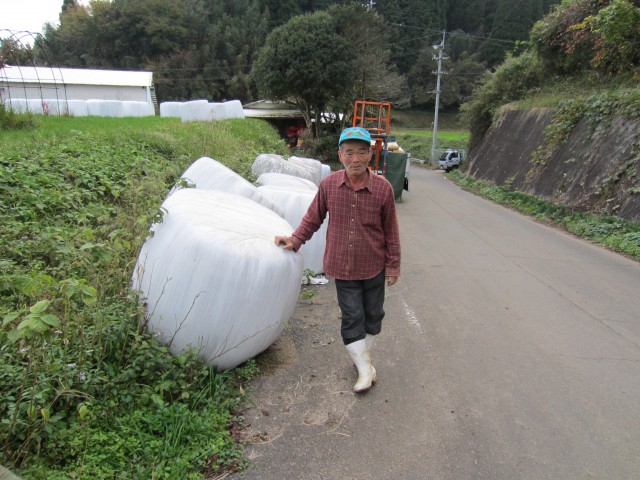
(413, 130)
(619, 235)
(85, 391)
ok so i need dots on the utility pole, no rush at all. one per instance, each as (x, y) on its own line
(440, 50)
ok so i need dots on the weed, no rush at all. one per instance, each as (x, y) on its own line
(86, 391)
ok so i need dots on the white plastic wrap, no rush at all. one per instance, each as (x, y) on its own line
(196, 111)
(272, 163)
(78, 108)
(217, 111)
(326, 170)
(55, 106)
(171, 109)
(233, 109)
(104, 108)
(209, 174)
(137, 109)
(295, 202)
(35, 106)
(286, 181)
(314, 166)
(213, 279)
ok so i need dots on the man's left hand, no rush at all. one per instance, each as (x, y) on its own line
(391, 280)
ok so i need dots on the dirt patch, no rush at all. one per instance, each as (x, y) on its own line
(306, 379)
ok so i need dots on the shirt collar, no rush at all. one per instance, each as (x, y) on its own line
(367, 182)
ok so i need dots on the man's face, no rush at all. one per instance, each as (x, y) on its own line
(355, 156)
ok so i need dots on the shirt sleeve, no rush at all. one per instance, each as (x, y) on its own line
(392, 237)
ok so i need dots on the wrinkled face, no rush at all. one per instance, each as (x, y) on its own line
(355, 156)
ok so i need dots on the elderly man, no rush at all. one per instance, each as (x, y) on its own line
(363, 245)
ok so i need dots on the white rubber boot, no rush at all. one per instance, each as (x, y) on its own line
(369, 340)
(366, 373)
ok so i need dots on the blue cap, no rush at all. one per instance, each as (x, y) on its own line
(355, 133)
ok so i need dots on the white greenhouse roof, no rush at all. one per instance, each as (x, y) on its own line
(75, 76)
(271, 109)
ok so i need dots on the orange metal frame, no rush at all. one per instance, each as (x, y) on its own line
(375, 117)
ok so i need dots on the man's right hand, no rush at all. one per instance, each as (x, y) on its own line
(285, 242)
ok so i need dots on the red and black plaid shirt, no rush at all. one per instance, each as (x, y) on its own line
(363, 237)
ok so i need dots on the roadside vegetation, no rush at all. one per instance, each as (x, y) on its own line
(85, 391)
(413, 130)
(612, 232)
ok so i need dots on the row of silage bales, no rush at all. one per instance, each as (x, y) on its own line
(81, 108)
(211, 275)
(273, 179)
(213, 279)
(209, 174)
(273, 163)
(294, 195)
(202, 110)
(137, 109)
(313, 165)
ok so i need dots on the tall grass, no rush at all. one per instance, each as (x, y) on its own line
(85, 391)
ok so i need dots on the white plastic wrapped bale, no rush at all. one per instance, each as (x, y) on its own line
(55, 106)
(35, 106)
(137, 109)
(314, 166)
(209, 174)
(326, 170)
(234, 109)
(295, 202)
(78, 108)
(171, 109)
(213, 279)
(286, 181)
(272, 163)
(217, 111)
(104, 108)
(195, 111)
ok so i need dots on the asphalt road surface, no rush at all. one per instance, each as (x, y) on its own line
(510, 350)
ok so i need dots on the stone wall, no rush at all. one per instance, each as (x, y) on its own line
(597, 169)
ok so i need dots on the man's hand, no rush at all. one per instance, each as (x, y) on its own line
(391, 280)
(286, 242)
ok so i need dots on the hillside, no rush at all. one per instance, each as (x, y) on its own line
(596, 168)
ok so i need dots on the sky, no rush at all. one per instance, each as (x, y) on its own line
(29, 15)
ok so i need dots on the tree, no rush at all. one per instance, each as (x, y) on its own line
(466, 15)
(463, 73)
(306, 62)
(412, 22)
(617, 31)
(376, 77)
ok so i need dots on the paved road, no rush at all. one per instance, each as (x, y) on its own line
(510, 351)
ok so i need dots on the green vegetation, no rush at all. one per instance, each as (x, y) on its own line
(85, 392)
(620, 235)
(580, 49)
(413, 130)
(9, 120)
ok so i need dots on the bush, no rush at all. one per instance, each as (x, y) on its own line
(85, 390)
(324, 147)
(9, 120)
(514, 79)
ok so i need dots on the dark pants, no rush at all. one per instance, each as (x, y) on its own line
(361, 303)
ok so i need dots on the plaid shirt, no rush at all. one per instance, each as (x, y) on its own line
(363, 237)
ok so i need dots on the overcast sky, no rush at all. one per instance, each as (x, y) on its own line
(29, 15)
